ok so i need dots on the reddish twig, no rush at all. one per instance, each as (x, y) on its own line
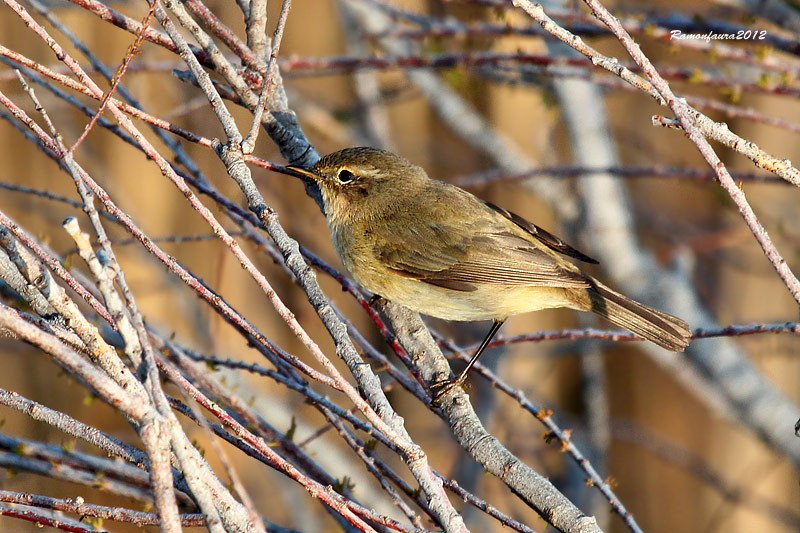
(733, 330)
(80, 507)
(132, 51)
(334, 500)
(133, 26)
(41, 520)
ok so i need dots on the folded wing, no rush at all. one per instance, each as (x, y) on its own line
(461, 258)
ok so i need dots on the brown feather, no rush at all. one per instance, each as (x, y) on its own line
(496, 257)
(666, 330)
(544, 236)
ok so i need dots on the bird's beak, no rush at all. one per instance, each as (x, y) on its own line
(300, 172)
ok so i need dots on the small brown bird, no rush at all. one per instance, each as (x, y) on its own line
(441, 251)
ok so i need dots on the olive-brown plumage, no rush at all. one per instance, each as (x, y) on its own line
(443, 252)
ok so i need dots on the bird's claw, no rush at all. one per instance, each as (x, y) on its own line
(440, 389)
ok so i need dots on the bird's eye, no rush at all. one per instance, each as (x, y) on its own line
(345, 176)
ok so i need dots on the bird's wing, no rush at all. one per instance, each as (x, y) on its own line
(547, 238)
(460, 255)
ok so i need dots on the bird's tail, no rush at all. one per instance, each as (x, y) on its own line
(666, 330)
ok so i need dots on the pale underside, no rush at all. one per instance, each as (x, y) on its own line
(480, 304)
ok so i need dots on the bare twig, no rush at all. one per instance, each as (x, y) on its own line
(716, 131)
(691, 122)
(132, 51)
(249, 142)
(80, 507)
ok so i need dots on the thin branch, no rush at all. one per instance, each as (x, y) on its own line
(690, 122)
(80, 507)
(249, 142)
(733, 330)
(42, 519)
(131, 53)
(708, 127)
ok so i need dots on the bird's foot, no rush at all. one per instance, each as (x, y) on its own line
(440, 389)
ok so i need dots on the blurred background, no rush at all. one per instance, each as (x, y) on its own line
(496, 99)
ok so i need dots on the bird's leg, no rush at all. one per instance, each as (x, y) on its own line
(443, 387)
